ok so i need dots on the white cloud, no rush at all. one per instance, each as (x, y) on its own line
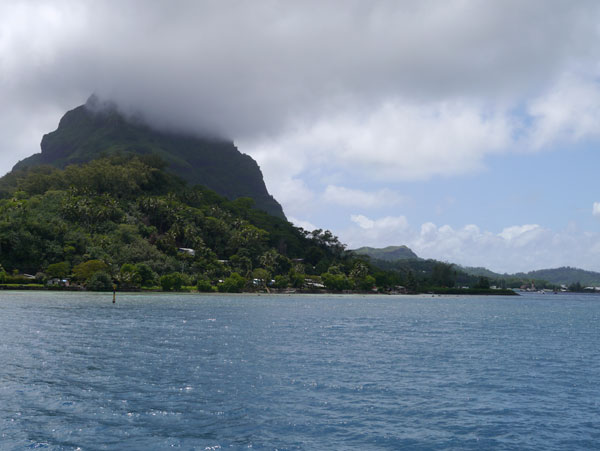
(395, 223)
(362, 221)
(306, 225)
(402, 141)
(515, 248)
(596, 209)
(394, 140)
(389, 229)
(349, 197)
(569, 111)
(295, 195)
(522, 234)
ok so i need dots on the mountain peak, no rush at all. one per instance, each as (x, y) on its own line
(98, 129)
(95, 104)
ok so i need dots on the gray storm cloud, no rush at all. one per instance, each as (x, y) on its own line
(249, 70)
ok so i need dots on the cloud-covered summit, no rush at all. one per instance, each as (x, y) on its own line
(400, 78)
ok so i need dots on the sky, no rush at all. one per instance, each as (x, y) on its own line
(467, 130)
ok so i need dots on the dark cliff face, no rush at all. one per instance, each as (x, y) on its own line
(84, 134)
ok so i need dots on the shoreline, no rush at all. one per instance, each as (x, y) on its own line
(428, 292)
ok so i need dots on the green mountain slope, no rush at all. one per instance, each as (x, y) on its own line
(87, 132)
(390, 253)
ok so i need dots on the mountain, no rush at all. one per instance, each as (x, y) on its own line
(94, 130)
(390, 253)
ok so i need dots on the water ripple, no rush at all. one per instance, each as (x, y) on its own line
(298, 372)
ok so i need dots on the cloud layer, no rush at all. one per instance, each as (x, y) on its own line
(392, 87)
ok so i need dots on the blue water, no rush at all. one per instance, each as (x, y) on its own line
(298, 372)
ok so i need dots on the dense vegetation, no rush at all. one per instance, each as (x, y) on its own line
(420, 275)
(124, 219)
(429, 275)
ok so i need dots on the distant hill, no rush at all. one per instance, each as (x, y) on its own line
(483, 272)
(390, 253)
(91, 131)
(557, 276)
(567, 275)
(395, 258)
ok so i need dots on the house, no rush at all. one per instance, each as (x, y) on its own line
(57, 282)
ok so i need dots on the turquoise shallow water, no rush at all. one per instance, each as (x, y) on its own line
(298, 372)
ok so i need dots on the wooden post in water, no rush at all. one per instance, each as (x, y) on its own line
(114, 293)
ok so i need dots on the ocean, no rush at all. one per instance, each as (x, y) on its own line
(287, 372)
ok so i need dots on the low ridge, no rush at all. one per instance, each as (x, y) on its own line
(390, 253)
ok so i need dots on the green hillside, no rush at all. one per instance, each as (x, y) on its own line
(87, 132)
(125, 219)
